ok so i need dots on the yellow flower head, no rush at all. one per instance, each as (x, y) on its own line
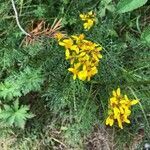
(75, 70)
(67, 43)
(84, 56)
(59, 36)
(89, 19)
(119, 108)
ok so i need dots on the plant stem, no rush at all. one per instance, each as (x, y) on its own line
(17, 20)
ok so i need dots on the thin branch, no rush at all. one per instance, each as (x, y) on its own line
(17, 20)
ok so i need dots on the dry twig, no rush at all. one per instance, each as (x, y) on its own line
(17, 19)
(42, 29)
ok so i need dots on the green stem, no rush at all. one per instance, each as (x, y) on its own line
(137, 24)
(82, 113)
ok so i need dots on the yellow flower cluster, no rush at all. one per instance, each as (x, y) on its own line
(119, 109)
(89, 19)
(83, 54)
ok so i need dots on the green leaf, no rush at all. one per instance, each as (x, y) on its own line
(111, 8)
(10, 120)
(65, 2)
(16, 105)
(29, 79)
(107, 1)
(15, 115)
(102, 12)
(146, 35)
(19, 122)
(9, 90)
(129, 5)
(4, 115)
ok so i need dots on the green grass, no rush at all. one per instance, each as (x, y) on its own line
(67, 111)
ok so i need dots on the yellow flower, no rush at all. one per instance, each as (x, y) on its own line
(82, 75)
(78, 38)
(91, 72)
(67, 43)
(83, 17)
(110, 121)
(116, 93)
(75, 48)
(84, 56)
(133, 102)
(59, 36)
(88, 24)
(89, 19)
(67, 54)
(119, 122)
(113, 101)
(75, 70)
(119, 106)
(116, 112)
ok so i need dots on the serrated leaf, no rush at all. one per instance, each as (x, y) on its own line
(28, 80)
(4, 115)
(6, 107)
(19, 122)
(129, 5)
(9, 90)
(146, 35)
(10, 120)
(15, 115)
(16, 105)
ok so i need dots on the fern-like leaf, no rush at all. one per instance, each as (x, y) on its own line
(15, 115)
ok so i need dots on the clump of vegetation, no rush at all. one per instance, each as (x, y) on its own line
(42, 106)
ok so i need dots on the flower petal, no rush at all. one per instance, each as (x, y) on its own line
(133, 102)
(118, 92)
